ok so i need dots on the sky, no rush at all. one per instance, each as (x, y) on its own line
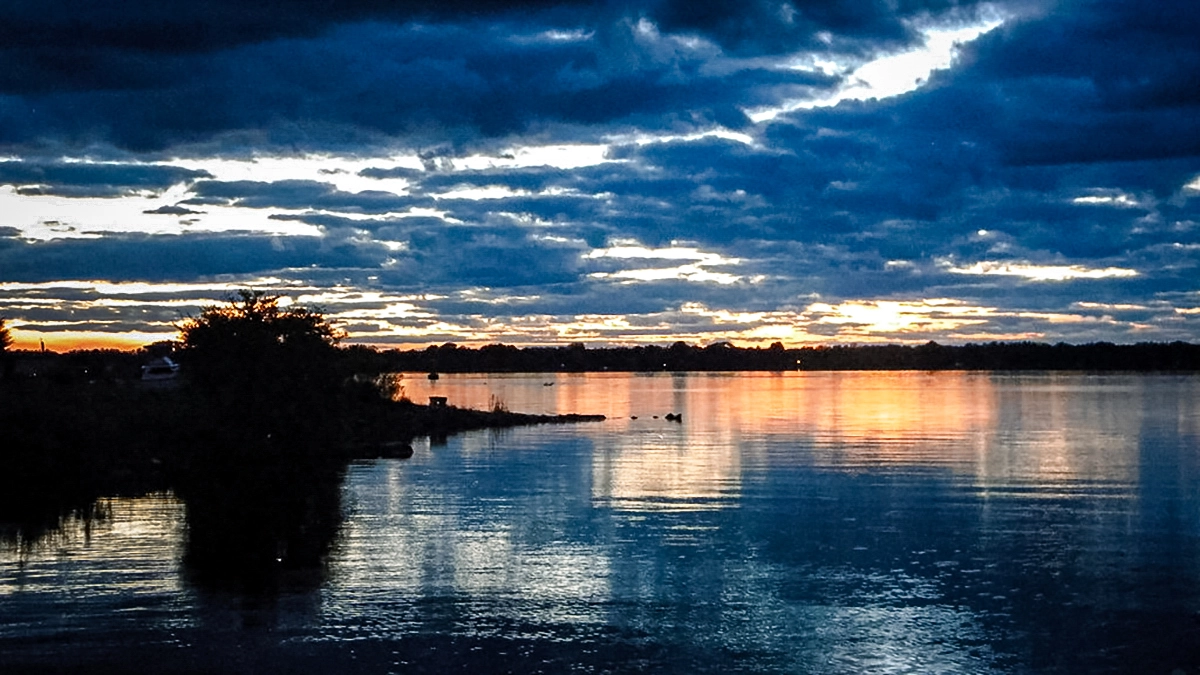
(607, 173)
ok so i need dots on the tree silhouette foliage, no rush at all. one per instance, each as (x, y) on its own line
(5, 337)
(270, 373)
(6, 341)
(722, 356)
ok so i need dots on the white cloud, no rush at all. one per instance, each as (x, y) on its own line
(1108, 198)
(893, 316)
(1042, 272)
(694, 271)
(1111, 307)
(629, 250)
(92, 217)
(650, 139)
(341, 172)
(886, 76)
(482, 192)
(559, 156)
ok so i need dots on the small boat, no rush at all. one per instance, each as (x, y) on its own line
(433, 376)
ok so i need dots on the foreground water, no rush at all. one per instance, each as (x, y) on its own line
(788, 523)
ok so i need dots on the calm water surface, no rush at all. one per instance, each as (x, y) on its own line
(789, 523)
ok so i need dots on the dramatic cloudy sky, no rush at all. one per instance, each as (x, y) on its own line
(549, 171)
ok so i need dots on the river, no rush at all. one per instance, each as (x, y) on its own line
(854, 522)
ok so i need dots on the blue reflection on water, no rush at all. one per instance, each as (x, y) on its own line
(840, 523)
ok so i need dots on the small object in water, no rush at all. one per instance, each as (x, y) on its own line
(674, 417)
(633, 417)
(656, 417)
(433, 376)
(547, 384)
(395, 449)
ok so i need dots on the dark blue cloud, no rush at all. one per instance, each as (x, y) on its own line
(299, 194)
(533, 179)
(397, 172)
(204, 25)
(440, 255)
(76, 179)
(333, 76)
(771, 26)
(174, 210)
(168, 258)
(1101, 80)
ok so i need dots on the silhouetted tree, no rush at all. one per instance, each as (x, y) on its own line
(5, 337)
(6, 363)
(269, 373)
(263, 488)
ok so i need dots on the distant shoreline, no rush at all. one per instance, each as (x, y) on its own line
(681, 357)
(89, 365)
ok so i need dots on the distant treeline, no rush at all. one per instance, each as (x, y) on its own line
(450, 358)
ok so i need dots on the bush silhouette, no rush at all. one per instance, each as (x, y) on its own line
(267, 374)
(5, 336)
(5, 342)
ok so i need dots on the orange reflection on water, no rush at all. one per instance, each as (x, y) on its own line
(1065, 429)
(1040, 428)
(889, 417)
(666, 470)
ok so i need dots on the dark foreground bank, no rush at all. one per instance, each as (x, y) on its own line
(252, 428)
(67, 444)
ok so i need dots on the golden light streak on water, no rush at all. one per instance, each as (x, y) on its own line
(853, 421)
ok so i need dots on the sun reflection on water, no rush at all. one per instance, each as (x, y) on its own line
(994, 428)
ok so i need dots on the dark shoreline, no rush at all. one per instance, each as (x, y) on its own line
(682, 357)
(111, 365)
(69, 444)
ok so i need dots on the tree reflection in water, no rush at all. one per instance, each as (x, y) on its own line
(260, 524)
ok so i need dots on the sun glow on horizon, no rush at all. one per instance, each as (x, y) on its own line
(70, 340)
(890, 316)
